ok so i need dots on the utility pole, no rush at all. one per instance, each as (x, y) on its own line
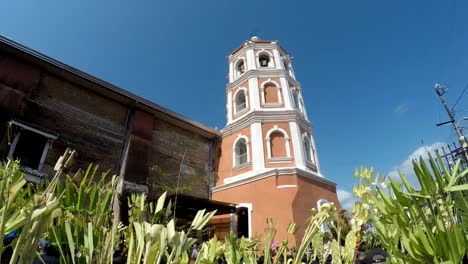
(440, 91)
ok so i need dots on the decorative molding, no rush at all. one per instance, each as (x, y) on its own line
(253, 89)
(286, 142)
(251, 45)
(241, 112)
(279, 160)
(249, 54)
(271, 64)
(245, 179)
(305, 138)
(246, 99)
(278, 93)
(266, 116)
(272, 105)
(278, 58)
(229, 109)
(267, 73)
(297, 144)
(238, 74)
(286, 186)
(245, 165)
(247, 145)
(257, 148)
(317, 163)
(285, 84)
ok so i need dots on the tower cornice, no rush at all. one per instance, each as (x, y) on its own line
(270, 116)
(310, 175)
(263, 73)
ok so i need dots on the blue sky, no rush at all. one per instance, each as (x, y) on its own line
(367, 68)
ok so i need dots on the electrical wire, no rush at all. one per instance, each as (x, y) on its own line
(466, 86)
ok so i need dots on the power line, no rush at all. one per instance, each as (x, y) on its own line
(466, 86)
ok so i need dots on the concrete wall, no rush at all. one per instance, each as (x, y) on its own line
(284, 198)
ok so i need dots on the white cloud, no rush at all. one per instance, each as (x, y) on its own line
(407, 166)
(401, 109)
(346, 199)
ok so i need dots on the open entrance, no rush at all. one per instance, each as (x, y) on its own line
(229, 218)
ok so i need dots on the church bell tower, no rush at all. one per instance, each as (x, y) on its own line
(267, 159)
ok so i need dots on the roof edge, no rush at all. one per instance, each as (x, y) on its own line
(106, 85)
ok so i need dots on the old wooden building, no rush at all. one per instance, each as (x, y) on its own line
(47, 106)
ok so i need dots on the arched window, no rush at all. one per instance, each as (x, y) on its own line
(309, 152)
(241, 151)
(271, 93)
(295, 99)
(277, 142)
(287, 66)
(307, 149)
(285, 63)
(240, 68)
(301, 104)
(325, 228)
(264, 60)
(278, 146)
(240, 101)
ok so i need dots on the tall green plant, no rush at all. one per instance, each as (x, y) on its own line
(87, 232)
(426, 225)
(23, 211)
(160, 242)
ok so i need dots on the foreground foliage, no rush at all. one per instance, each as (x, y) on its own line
(426, 225)
(414, 225)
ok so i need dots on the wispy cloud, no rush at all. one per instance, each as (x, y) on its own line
(400, 109)
(406, 167)
(346, 198)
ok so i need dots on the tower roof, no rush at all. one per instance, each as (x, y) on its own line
(256, 40)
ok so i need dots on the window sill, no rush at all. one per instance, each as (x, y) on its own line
(239, 76)
(266, 67)
(311, 164)
(280, 160)
(243, 111)
(268, 105)
(238, 167)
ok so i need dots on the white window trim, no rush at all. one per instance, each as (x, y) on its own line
(237, 73)
(299, 106)
(278, 91)
(289, 68)
(271, 63)
(324, 227)
(47, 145)
(311, 150)
(279, 160)
(240, 166)
(286, 142)
(246, 96)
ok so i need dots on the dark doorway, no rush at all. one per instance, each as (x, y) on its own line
(242, 222)
(29, 149)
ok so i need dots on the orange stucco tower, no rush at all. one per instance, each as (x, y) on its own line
(267, 160)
